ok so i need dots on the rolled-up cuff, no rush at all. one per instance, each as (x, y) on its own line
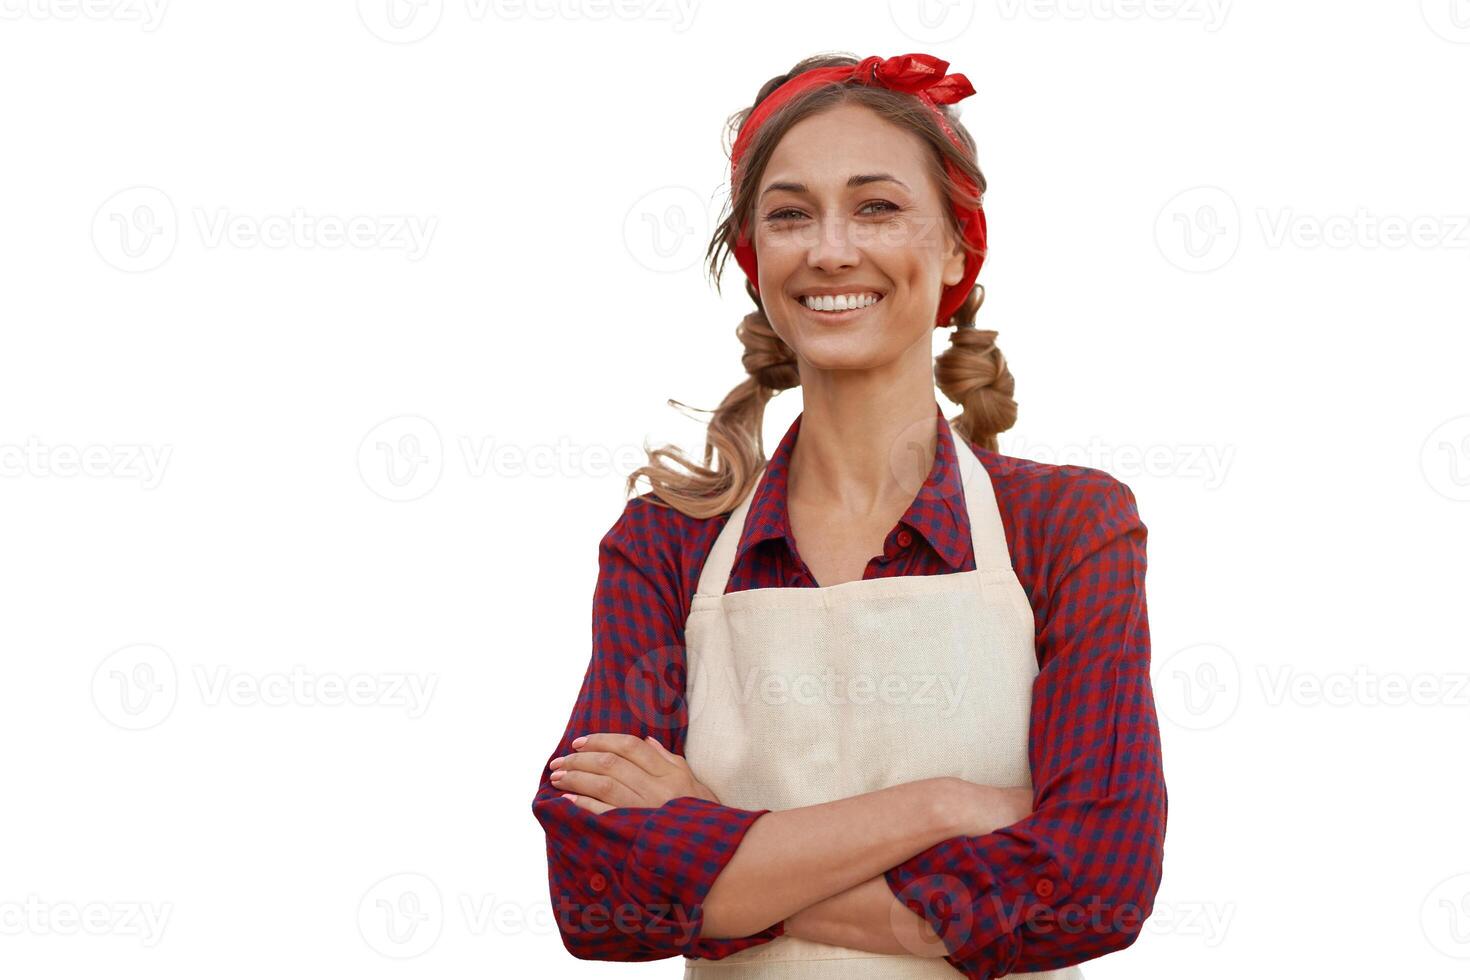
(971, 908)
(679, 852)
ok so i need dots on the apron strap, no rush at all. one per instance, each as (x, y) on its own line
(987, 532)
(716, 574)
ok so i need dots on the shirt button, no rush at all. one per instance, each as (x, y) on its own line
(905, 539)
(598, 882)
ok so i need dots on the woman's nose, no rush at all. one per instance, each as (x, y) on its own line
(833, 245)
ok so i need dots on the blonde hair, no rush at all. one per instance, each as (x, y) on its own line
(972, 372)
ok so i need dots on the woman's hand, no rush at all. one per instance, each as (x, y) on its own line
(975, 809)
(610, 770)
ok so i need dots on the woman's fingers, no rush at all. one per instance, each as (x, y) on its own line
(597, 774)
(590, 803)
(664, 753)
(635, 750)
(613, 767)
(617, 769)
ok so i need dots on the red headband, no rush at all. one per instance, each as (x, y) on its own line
(921, 75)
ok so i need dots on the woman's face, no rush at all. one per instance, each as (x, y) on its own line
(846, 205)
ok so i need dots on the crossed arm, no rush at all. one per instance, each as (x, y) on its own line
(700, 879)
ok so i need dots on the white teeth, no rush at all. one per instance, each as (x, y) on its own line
(850, 301)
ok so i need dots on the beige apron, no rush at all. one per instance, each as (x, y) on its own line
(799, 696)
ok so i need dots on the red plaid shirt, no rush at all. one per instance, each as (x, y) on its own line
(1069, 883)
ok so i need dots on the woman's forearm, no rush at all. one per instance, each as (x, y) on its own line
(871, 918)
(867, 917)
(790, 859)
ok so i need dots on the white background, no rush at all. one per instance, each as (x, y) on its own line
(1200, 274)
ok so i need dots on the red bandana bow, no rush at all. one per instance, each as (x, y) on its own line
(920, 75)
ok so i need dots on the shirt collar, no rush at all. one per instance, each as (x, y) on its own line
(937, 511)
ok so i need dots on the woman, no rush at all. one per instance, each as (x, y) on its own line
(924, 740)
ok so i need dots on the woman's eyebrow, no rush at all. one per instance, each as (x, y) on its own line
(856, 180)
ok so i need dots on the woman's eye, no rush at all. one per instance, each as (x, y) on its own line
(784, 214)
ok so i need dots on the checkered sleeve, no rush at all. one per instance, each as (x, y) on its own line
(629, 884)
(1076, 878)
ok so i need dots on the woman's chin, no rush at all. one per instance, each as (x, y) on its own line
(846, 352)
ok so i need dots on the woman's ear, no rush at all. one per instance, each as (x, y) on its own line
(954, 263)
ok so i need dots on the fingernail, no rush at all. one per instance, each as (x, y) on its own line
(577, 742)
(569, 796)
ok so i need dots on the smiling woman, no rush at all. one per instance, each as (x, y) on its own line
(879, 706)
